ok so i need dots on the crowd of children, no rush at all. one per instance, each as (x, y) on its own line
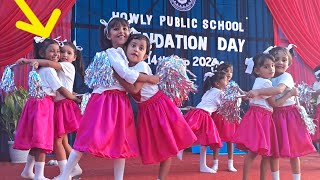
(272, 127)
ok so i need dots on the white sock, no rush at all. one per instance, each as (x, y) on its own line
(61, 165)
(77, 171)
(296, 176)
(230, 166)
(39, 170)
(118, 168)
(28, 168)
(215, 165)
(73, 159)
(203, 161)
(275, 175)
(180, 154)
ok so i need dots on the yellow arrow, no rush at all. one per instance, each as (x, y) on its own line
(36, 26)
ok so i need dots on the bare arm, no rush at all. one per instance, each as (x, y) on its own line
(131, 88)
(68, 94)
(152, 79)
(41, 62)
(267, 91)
(317, 93)
(279, 102)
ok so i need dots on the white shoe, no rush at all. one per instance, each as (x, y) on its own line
(52, 163)
(41, 178)
(232, 169)
(206, 169)
(27, 175)
(180, 155)
(76, 172)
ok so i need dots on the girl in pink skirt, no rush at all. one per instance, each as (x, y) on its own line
(293, 138)
(107, 128)
(226, 129)
(199, 119)
(316, 87)
(257, 132)
(162, 131)
(67, 113)
(36, 125)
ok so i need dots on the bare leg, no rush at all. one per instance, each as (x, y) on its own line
(295, 168)
(59, 149)
(77, 171)
(73, 159)
(265, 162)
(40, 157)
(247, 164)
(118, 168)
(164, 169)
(203, 161)
(274, 164)
(27, 172)
(230, 150)
(230, 157)
(215, 165)
(66, 145)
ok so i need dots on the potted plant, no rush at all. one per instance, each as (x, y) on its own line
(11, 109)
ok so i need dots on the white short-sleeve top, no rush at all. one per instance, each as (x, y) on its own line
(261, 101)
(49, 79)
(211, 100)
(287, 80)
(119, 63)
(148, 90)
(66, 76)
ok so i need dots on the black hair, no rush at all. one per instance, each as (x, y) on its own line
(150, 47)
(210, 81)
(40, 48)
(315, 70)
(78, 63)
(105, 43)
(259, 61)
(276, 50)
(224, 67)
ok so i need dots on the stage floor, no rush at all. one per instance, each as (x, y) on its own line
(188, 169)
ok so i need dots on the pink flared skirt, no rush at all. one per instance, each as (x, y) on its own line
(162, 130)
(67, 116)
(294, 140)
(35, 128)
(257, 132)
(226, 129)
(107, 127)
(204, 128)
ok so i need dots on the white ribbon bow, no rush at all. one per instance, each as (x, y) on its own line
(317, 73)
(105, 23)
(38, 39)
(79, 48)
(249, 62)
(290, 46)
(134, 31)
(208, 74)
(60, 42)
(268, 49)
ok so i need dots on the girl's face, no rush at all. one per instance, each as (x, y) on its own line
(136, 51)
(281, 63)
(222, 83)
(67, 54)
(229, 73)
(52, 52)
(267, 70)
(118, 35)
